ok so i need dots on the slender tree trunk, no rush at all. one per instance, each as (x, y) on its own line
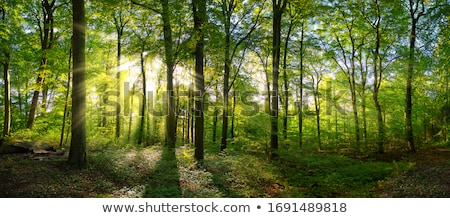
(103, 89)
(199, 11)
(336, 125)
(447, 118)
(189, 114)
(353, 84)
(226, 78)
(317, 112)
(233, 115)
(130, 119)
(356, 118)
(120, 22)
(377, 69)
(77, 153)
(19, 97)
(66, 102)
(192, 116)
(69, 126)
(27, 96)
(7, 97)
(215, 117)
(363, 94)
(177, 110)
(144, 100)
(300, 86)
(119, 50)
(184, 129)
(285, 81)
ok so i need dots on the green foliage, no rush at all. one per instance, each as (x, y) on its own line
(334, 175)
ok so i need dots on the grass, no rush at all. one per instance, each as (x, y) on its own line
(334, 175)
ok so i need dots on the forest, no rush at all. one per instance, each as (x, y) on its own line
(225, 98)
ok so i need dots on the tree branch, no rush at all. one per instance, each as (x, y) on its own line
(146, 7)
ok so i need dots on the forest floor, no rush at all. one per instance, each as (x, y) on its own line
(156, 172)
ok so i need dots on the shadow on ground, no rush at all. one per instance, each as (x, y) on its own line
(164, 181)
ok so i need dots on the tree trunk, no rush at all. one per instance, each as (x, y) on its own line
(77, 153)
(356, 118)
(7, 85)
(66, 102)
(144, 100)
(300, 86)
(170, 65)
(233, 115)
(7, 97)
(285, 81)
(44, 98)
(226, 78)
(445, 130)
(363, 94)
(377, 70)
(130, 118)
(189, 114)
(215, 117)
(34, 100)
(199, 11)
(317, 112)
(415, 16)
(119, 50)
(278, 9)
(177, 110)
(47, 40)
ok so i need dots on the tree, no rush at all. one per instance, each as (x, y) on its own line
(5, 61)
(232, 44)
(66, 102)
(300, 86)
(317, 71)
(47, 39)
(170, 61)
(348, 43)
(199, 11)
(278, 8)
(378, 17)
(285, 74)
(120, 21)
(416, 11)
(77, 153)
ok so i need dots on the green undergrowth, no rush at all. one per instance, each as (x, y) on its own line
(321, 174)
